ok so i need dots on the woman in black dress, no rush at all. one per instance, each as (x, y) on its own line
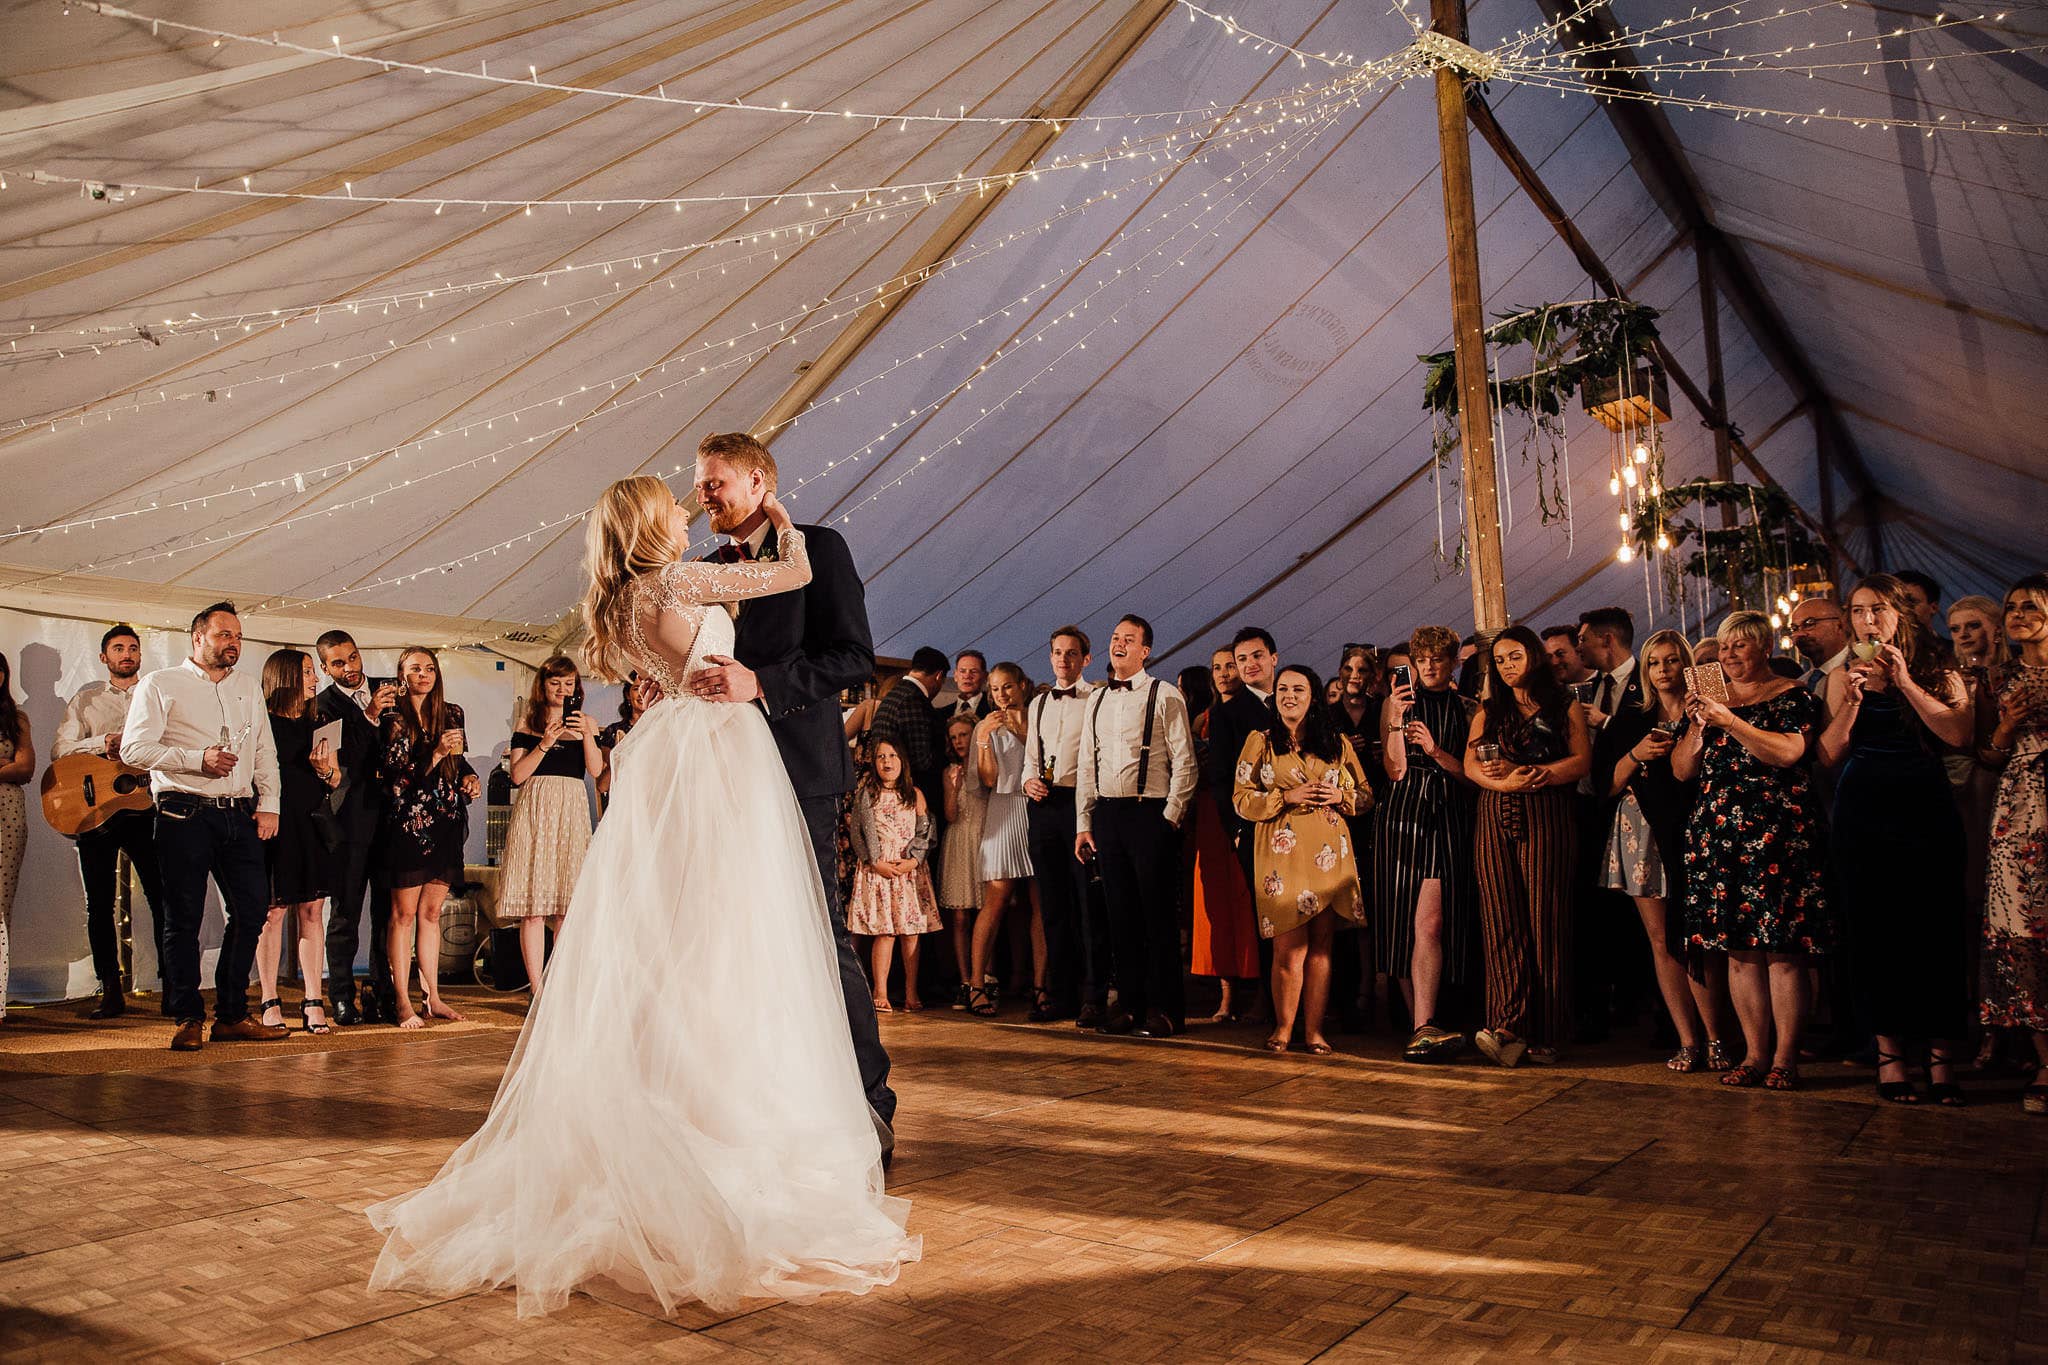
(303, 866)
(1632, 759)
(1896, 870)
(427, 791)
(1753, 852)
(1424, 896)
(1529, 747)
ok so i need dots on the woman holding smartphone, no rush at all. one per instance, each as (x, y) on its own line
(427, 791)
(1753, 856)
(1423, 891)
(1632, 761)
(1530, 745)
(551, 754)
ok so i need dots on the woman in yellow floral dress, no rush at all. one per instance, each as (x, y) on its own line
(1295, 785)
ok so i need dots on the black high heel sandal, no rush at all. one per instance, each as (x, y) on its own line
(1947, 1094)
(324, 1026)
(981, 1001)
(266, 1006)
(1895, 1092)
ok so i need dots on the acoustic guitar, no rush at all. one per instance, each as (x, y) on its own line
(81, 792)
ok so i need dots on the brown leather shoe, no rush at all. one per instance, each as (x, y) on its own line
(190, 1037)
(248, 1030)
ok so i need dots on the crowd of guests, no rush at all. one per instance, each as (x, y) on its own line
(288, 796)
(1838, 852)
(1523, 834)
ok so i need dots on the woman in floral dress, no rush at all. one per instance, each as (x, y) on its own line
(2015, 960)
(1753, 847)
(1295, 786)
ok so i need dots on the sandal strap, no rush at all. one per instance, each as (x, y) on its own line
(314, 1004)
(268, 1003)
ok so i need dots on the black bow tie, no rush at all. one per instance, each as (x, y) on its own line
(1065, 693)
(1116, 685)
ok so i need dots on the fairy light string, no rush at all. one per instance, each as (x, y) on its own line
(787, 330)
(741, 359)
(1079, 343)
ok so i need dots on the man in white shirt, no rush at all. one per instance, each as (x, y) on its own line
(1136, 775)
(92, 725)
(203, 733)
(1076, 928)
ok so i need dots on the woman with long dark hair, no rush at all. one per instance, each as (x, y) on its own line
(1896, 859)
(1528, 748)
(554, 749)
(1297, 780)
(1222, 940)
(17, 766)
(427, 790)
(304, 865)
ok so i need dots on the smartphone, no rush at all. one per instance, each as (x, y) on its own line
(1403, 676)
(1707, 680)
(570, 708)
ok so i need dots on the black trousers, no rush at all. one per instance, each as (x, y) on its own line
(361, 870)
(1140, 856)
(821, 822)
(193, 843)
(132, 832)
(1076, 924)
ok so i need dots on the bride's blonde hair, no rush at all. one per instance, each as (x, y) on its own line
(631, 532)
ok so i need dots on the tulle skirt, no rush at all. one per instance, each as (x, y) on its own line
(633, 1137)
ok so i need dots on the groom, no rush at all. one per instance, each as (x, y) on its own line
(796, 652)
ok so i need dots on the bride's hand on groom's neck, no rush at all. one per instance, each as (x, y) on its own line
(777, 515)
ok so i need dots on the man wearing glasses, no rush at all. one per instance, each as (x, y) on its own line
(1821, 635)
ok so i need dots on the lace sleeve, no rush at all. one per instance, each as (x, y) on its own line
(691, 583)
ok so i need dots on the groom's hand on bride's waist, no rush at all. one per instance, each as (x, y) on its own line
(726, 680)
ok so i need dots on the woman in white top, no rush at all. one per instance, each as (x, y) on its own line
(1005, 839)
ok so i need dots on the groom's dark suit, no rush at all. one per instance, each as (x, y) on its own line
(805, 647)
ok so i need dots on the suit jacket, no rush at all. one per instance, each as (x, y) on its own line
(806, 647)
(1230, 723)
(362, 801)
(982, 707)
(908, 720)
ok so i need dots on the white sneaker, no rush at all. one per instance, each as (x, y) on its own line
(1499, 1047)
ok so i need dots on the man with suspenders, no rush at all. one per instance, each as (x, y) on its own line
(1136, 776)
(1076, 943)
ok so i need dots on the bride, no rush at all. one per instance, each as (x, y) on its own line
(682, 1114)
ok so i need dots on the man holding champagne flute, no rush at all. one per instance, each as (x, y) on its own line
(360, 704)
(203, 733)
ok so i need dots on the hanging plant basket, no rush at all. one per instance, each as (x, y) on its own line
(1769, 547)
(1573, 347)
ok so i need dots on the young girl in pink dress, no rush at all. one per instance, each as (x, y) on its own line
(892, 887)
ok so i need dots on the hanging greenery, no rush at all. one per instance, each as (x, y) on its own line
(1768, 544)
(1569, 344)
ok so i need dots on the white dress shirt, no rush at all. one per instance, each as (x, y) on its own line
(96, 711)
(1052, 733)
(1113, 733)
(177, 714)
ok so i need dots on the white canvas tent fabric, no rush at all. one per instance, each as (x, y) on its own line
(1202, 400)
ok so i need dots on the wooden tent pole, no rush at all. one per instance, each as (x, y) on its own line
(1468, 334)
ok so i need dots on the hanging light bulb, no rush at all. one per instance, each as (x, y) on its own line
(1625, 553)
(1628, 475)
(1777, 621)
(1656, 487)
(1783, 605)
(1623, 520)
(1663, 541)
(1613, 484)
(1642, 453)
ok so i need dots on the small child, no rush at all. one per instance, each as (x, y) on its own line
(892, 888)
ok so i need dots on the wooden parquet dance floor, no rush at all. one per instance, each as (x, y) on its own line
(1080, 1198)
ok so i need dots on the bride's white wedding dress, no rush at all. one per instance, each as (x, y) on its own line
(683, 1113)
